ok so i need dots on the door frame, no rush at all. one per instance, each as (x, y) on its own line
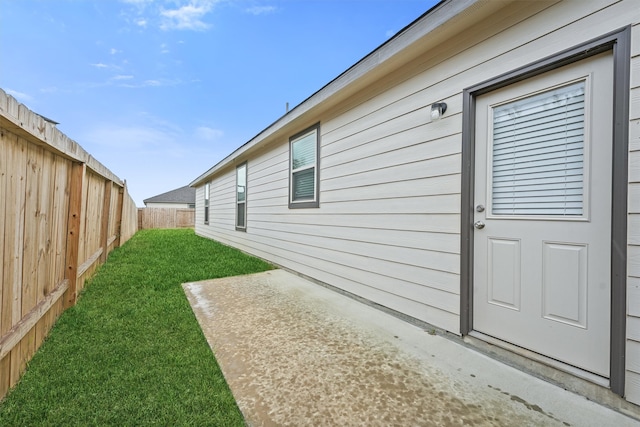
(619, 42)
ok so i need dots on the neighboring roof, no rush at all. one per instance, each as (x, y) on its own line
(184, 194)
(427, 31)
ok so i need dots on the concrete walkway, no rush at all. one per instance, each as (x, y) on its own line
(297, 354)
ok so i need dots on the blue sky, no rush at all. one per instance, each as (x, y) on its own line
(161, 90)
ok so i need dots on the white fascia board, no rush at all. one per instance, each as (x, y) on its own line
(437, 17)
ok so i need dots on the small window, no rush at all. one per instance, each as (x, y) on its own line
(241, 197)
(303, 169)
(207, 189)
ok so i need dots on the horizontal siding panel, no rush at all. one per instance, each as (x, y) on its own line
(437, 204)
(633, 261)
(633, 356)
(634, 135)
(417, 137)
(434, 260)
(440, 166)
(634, 198)
(275, 156)
(369, 282)
(633, 296)
(633, 329)
(634, 167)
(633, 229)
(426, 313)
(635, 72)
(400, 279)
(399, 157)
(277, 189)
(260, 180)
(632, 387)
(443, 242)
(438, 223)
(401, 132)
(448, 184)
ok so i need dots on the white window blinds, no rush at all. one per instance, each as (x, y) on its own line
(538, 153)
(303, 167)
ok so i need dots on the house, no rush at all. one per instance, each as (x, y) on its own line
(183, 197)
(479, 172)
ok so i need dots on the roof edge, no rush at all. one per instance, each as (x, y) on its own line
(436, 17)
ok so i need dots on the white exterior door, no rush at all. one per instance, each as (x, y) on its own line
(543, 214)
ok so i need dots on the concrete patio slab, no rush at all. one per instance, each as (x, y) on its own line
(297, 354)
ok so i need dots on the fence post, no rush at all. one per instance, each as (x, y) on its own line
(104, 227)
(122, 191)
(73, 231)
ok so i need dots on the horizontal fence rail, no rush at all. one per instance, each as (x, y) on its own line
(61, 213)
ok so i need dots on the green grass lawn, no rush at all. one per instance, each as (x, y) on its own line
(131, 352)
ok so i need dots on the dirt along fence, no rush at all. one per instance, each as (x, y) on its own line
(166, 218)
(61, 213)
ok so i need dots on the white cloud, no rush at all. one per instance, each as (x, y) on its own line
(113, 51)
(122, 77)
(164, 48)
(261, 10)
(151, 83)
(187, 17)
(141, 22)
(208, 134)
(100, 65)
(20, 96)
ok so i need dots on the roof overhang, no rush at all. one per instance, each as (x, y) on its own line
(434, 27)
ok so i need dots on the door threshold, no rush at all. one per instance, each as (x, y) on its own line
(587, 384)
(556, 364)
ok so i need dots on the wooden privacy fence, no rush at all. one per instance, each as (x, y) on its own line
(166, 218)
(61, 213)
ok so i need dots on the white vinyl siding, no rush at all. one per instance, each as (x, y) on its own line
(538, 154)
(388, 229)
(632, 385)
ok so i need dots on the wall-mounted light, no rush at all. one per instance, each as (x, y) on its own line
(437, 110)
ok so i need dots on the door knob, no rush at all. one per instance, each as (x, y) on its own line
(479, 225)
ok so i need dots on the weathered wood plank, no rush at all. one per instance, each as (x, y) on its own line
(73, 233)
(104, 227)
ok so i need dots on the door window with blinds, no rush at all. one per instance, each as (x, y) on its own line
(303, 176)
(537, 159)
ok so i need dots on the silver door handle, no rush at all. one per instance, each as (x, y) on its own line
(479, 225)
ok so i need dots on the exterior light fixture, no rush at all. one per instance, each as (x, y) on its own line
(437, 110)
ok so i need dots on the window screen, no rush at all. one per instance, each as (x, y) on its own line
(538, 154)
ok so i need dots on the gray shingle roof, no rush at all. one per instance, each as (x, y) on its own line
(184, 194)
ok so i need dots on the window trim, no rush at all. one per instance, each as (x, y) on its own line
(207, 198)
(246, 180)
(315, 203)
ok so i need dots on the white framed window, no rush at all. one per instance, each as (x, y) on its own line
(241, 197)
(207, 192)
(304, 175)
